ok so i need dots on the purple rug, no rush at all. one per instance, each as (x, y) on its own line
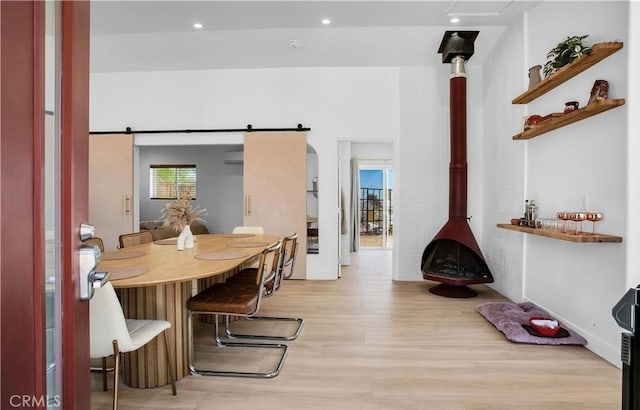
(509, 317)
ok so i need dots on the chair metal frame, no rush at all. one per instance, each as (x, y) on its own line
(286, 266)
(268, 270)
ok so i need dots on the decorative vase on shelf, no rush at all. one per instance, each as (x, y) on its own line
(534, 75)
(185, 239)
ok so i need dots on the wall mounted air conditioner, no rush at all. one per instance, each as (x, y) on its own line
(233, 157)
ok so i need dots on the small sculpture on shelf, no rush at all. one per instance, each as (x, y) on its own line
(599, 91)
(531, 121)
(570, 106)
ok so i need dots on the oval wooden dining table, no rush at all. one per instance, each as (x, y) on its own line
(155, 280)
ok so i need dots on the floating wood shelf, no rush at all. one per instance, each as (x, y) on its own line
(599, 53)
(553, 123)
(582, 237)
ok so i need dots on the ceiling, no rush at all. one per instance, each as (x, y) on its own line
(159, 35)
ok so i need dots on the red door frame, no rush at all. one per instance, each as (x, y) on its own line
(75, 200)
(21, 232)
(22, 329)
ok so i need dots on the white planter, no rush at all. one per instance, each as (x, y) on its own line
(185, 239)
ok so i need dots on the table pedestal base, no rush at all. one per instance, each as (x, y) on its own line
(147, 366)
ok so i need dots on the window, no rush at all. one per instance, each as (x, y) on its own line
(168, 181)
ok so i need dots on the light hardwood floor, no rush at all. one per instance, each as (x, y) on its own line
(371, 343)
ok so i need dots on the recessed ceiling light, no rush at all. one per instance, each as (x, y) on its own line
(197, 25)
(455, 20)
(326, 22)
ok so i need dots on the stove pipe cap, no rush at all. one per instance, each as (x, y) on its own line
(457, 43)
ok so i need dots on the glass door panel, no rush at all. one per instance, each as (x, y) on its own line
(51, 209)
(376, 209)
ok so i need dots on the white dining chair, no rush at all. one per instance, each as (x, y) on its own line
(256, 230)
(112, 334)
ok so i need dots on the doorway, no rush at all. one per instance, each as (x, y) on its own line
(356, 213)
(376, 204)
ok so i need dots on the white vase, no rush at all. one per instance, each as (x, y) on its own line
(185, 239)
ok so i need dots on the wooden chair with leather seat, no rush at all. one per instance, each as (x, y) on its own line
(136, 238)
(223, 299)
(247, 277)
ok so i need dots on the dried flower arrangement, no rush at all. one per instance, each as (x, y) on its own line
(178, 214)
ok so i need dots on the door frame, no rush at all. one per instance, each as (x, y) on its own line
(76, 393)
(22, 295)
(21, 127)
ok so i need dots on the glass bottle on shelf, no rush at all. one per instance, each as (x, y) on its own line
(533, 210)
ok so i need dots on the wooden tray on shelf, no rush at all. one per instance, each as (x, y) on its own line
(582, 237)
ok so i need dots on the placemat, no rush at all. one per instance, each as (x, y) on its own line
(246, 244)
(170, 241)
(126, 272)
(238, 235)
(112, 256)
(221, 255)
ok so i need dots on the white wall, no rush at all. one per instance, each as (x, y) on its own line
(578, 283)
(633, 151)
(372, 151)
(337, 103)
(504, 162)
(344, 181)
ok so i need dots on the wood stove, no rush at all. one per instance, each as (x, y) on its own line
(453, 256)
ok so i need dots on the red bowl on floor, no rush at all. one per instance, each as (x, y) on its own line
(544, 325)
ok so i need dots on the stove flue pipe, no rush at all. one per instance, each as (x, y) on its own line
(458, 139)
(453, 256)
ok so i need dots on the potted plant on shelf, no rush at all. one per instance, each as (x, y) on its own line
(565, 52)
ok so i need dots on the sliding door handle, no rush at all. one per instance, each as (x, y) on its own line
(247, 206)
(126, 204)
